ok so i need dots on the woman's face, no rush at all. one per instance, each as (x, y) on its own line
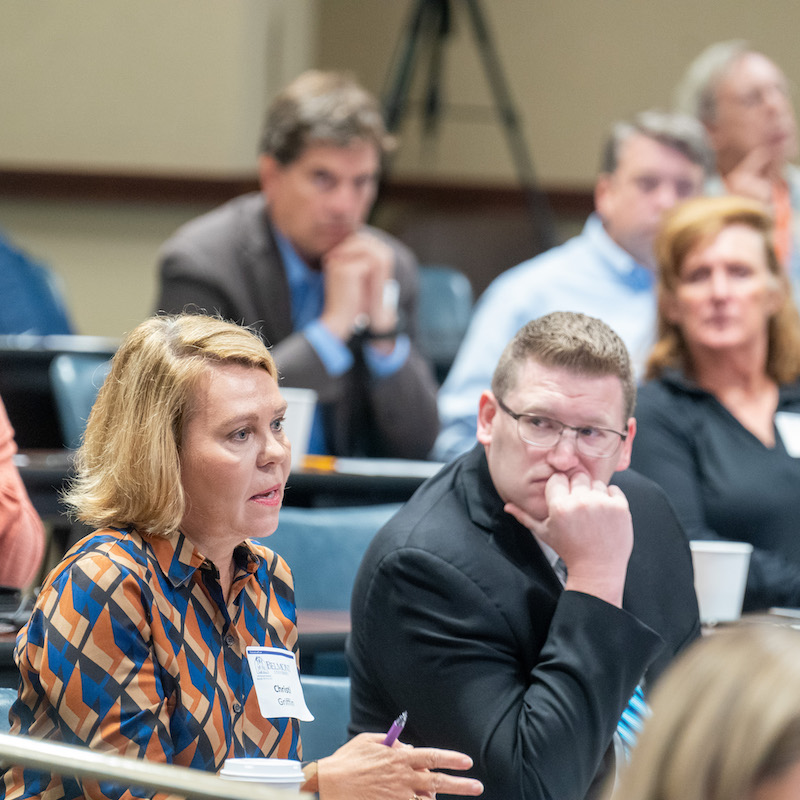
(234, 456)
(725, 294)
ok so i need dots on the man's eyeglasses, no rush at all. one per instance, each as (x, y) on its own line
(545, 432)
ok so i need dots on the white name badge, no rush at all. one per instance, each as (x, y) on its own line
(277, 682)
(788, 425)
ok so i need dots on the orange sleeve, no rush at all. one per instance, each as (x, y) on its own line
(21, 531)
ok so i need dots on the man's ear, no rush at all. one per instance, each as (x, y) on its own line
(715, 135)
(625, 455)
(602, 193)
(268, 169)
(487, 411)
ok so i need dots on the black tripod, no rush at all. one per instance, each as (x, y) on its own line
(428, 27)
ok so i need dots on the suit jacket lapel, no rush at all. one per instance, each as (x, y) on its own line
(485, 509)
(265, 274)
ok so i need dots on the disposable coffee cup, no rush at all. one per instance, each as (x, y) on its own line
(301, 404)
(280, 773)
(720, 576)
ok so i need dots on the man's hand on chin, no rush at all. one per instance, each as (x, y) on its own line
(356, 271)
(589, 525)
(754, 175)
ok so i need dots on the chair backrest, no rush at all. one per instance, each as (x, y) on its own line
(328, 699)
(445, 307)
(7, 698)
(323, 547)
(26, 383)
(76, 379)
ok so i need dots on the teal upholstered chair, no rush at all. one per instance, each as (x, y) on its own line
(445, 308)
(7, 698)
(324, 547)
(328, 699)
(75, 379)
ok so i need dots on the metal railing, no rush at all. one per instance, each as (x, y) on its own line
(81, 762)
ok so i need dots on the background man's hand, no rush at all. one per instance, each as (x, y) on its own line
(754, 175)
(356, 271)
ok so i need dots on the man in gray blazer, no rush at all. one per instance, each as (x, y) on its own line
(335, 299)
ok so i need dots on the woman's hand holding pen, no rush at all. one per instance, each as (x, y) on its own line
(365, 769)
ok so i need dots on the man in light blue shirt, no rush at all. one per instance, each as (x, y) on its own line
(607, 271)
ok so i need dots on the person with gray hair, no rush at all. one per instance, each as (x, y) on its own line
(743, 99)
(678, 131)
(526, 595)
(648, 165)
(335, 298)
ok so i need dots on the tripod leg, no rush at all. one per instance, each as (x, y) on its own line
(543, 220)
(401, 73)
(433, 96)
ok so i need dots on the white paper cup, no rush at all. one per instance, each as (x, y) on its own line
(720, 576)
(281, 773)
(299, 418)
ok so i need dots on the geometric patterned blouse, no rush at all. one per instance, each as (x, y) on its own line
(131, 649)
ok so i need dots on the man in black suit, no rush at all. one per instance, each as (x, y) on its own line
(335, 298)
(461, 611)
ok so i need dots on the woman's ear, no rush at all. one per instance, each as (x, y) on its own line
(670, 309)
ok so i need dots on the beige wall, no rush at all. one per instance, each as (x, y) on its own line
(573, 66)
(179, 87)
(155, 86)
(176, 87)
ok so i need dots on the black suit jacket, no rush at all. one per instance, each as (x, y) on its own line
(459, 618)
(227, 262)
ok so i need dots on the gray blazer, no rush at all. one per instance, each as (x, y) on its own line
(227, 262)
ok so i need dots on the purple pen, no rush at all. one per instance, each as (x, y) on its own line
(396, 729)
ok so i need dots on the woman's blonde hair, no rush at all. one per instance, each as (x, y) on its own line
(689, 225)
(128, 471)
(725, 718)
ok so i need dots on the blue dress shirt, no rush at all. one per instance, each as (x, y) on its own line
(307, 293)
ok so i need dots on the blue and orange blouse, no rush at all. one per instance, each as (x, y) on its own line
(131, 649)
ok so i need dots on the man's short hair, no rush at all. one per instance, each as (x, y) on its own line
(128, 470)
(575, 342)
(696, 94)
(322, 108)
(681, 132)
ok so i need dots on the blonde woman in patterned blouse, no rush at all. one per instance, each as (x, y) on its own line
(136, 644)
